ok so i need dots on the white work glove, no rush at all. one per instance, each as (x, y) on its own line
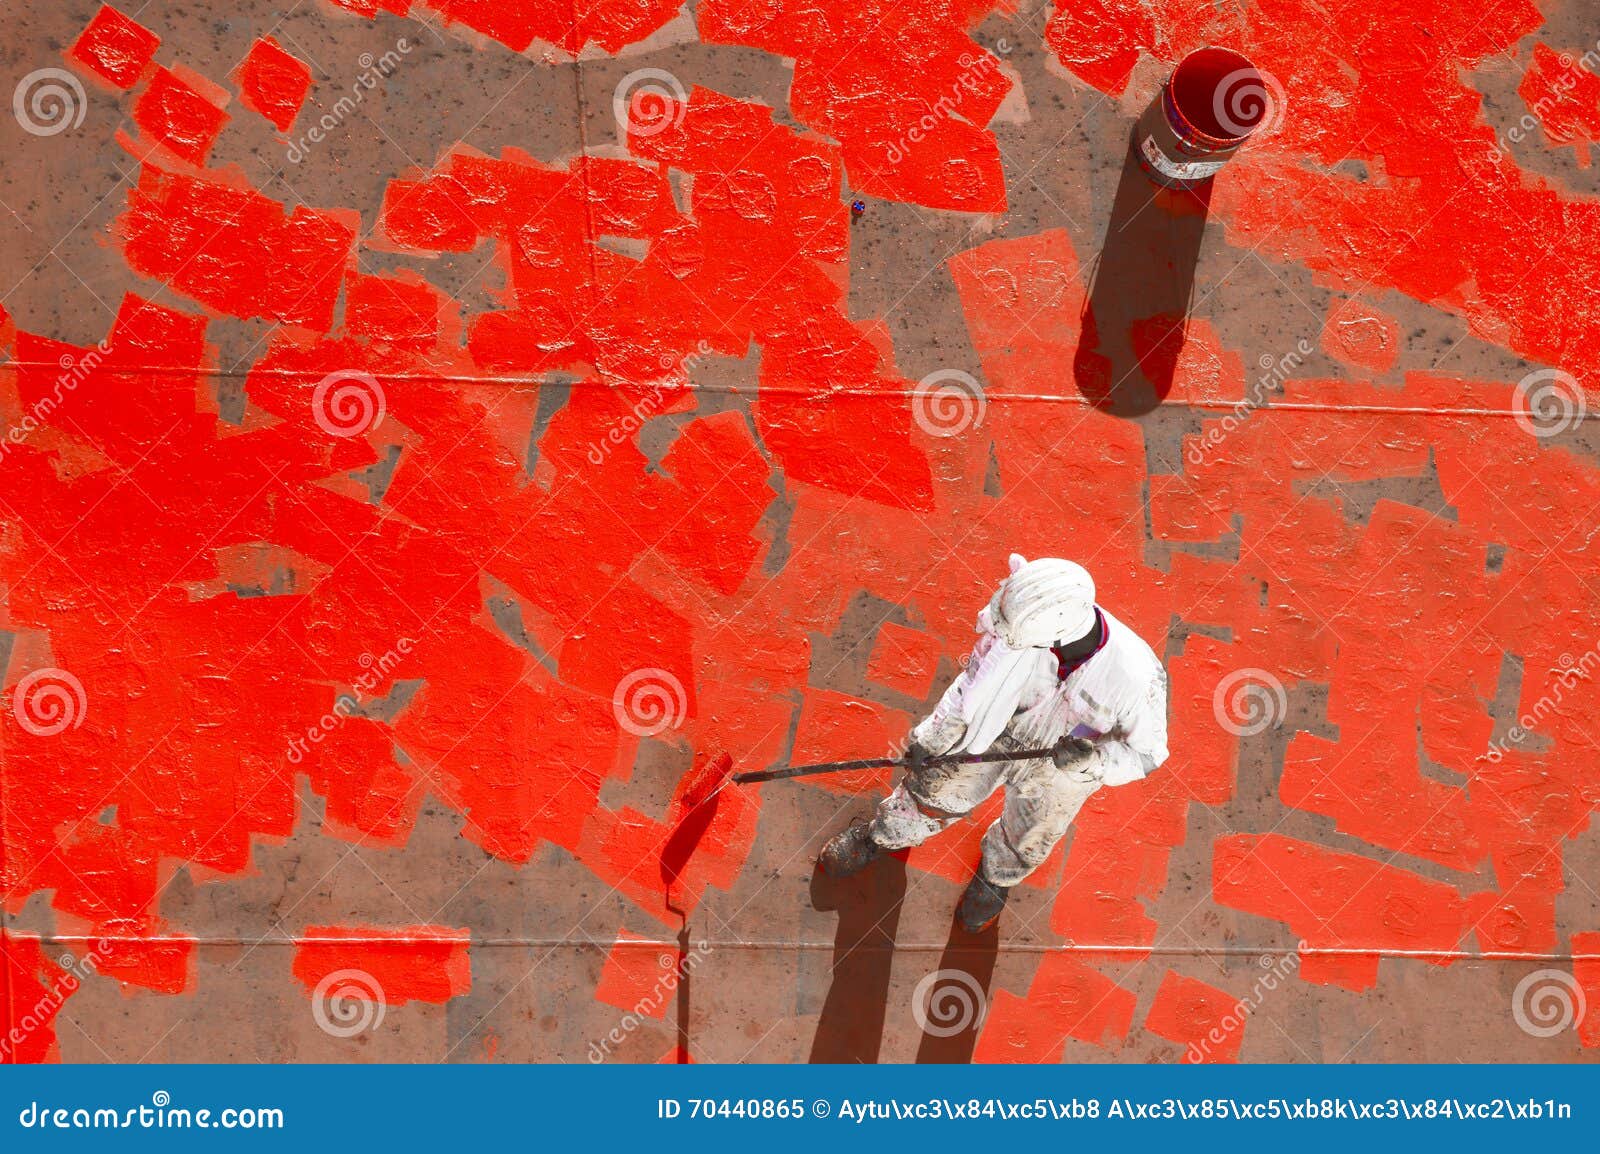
(1077, 758)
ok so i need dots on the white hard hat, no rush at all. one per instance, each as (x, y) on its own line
(1043, 602)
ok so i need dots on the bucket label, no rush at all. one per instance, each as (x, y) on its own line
(1176, 169)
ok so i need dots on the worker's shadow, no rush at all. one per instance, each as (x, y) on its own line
(855, 1012)
(1139, 295)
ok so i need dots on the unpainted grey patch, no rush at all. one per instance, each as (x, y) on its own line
(1358, 499)
(991, 476)
(108, 816)
(657, 769)
(506, 613)
(1158, 551)
(1494, 557)
(632, 247)
(775, 521)
(376, 478)
(386, 708)
(1179, 631)
(554, 391)
(839, 662)
(282, 582)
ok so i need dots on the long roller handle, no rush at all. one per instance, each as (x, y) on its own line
(884, 763)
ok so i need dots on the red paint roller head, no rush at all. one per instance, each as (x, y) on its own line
(703, 781)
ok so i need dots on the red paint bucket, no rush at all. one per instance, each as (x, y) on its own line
(1215, 100)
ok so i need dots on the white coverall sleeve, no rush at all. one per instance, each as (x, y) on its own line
(942, 728)
(1140, 743)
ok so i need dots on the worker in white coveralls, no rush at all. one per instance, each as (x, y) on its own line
(1050, 670)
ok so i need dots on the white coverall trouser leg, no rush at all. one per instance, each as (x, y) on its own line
(1041, 802)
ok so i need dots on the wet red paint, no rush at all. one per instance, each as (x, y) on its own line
(134, 514)
(1563, 95)
(115, 47)
(639, 977)
(273, 82)
(173, 112)
(398, 964)
(1207, 1022)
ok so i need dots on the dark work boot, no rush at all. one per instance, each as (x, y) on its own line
(850, 852)
(981, 904)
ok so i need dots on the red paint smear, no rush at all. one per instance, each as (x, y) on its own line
(174, 113)
(1586, 971)
(273, 82)
(35, 989)
(639, 979)
(235, 250)
(1362, 336)
(904, 660)
(1206, 1021)
(1339, 902)
(405, 963)
(1067, 999)
(115, 47)
(889, 81)
(609, 24)
(1564, 96)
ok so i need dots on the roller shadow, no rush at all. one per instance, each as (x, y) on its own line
(958, 1001)
(1139, 295)
(850, 1028)
(674, 857)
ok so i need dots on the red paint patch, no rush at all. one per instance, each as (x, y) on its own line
(1564, 96)
(273, 82)
(1362, 336)
(1067, 999)
(1586, 972)
(34, 989)
(115, 47)
(904, 660)
(1206, 1021)
(404, 963)
(174, 113)
(638, 979)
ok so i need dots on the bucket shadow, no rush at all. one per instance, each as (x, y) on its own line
(959, 1000)
(1139, 295)
(850, 1028)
